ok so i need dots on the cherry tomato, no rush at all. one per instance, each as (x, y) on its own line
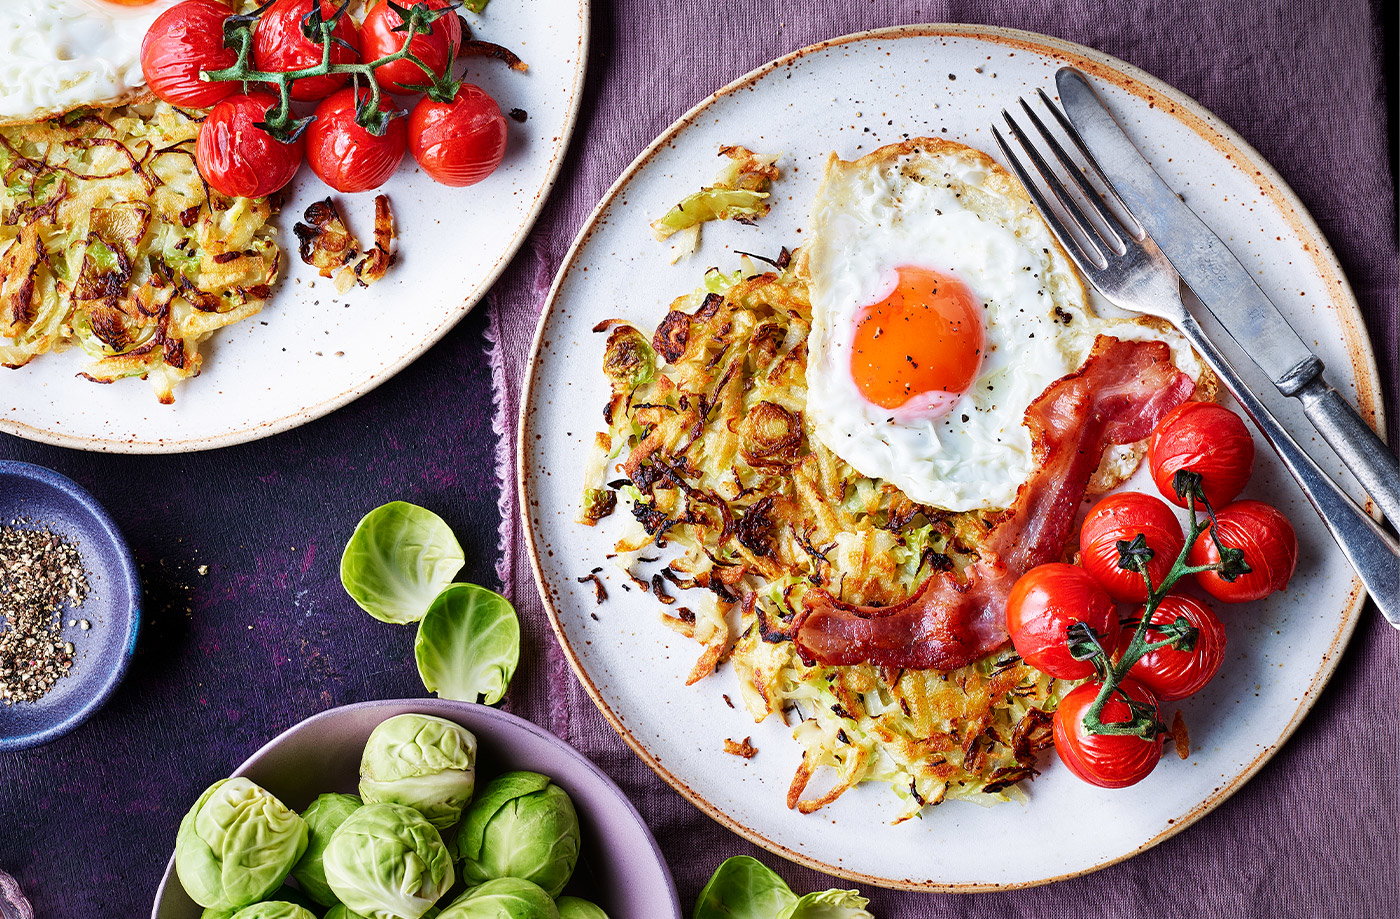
(459, 142)
(347, 157)
(1044, 603)
(1106, 760)
(378, 39)
(240, 160)
(1206, 438)
(1270, 549)
(1122, 517)
(1172, 673)
(280, 45)
(182, 41)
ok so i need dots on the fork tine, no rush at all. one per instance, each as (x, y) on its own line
(1112, 229)
(1072, 244)
(1091, 163)
(1070, 209)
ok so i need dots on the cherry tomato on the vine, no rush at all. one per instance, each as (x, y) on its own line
(1044, 603)
(378, 39)
(181, 42)
(1270, 549)
(1205, 438)
(1122, 517)
(345, 155)
(1172, 673)
(280, 45)
(239, 159)
(459, 142)
(1106, 760)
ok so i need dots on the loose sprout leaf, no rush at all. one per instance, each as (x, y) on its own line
(468, 644)
(739, 192)
(399, 559)
(744, 888)
(707, 204)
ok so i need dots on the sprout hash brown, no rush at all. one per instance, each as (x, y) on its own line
(710, 455)
(111, 241)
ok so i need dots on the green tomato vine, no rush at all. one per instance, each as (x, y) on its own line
(281, 122)
(1134, 555)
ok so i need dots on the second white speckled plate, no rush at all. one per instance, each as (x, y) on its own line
(312, 350)
(851, 95)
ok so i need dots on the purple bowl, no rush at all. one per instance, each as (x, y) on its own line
(621, 868)
(113, 605)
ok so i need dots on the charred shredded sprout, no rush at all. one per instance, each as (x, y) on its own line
(728, 503)
(740, 192)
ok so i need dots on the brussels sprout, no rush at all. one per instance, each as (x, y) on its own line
(399, 558)
(236, 845)
(424, 762)
(340, 911)
(284, 894)
(521, 826)
(274, 909)
(503, 898)
(468, 644)
(323, 816)
(386, 861)
(576, 908)
(831, 904)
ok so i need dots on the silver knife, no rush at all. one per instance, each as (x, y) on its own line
(1225, 286)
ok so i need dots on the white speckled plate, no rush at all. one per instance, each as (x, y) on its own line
(852, 95)
(312, 350)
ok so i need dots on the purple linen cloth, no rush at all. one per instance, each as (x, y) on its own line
(1303, 80)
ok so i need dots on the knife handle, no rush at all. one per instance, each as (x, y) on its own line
(1372, 551)
(1347, 433)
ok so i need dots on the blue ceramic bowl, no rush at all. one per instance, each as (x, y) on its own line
(113, 605)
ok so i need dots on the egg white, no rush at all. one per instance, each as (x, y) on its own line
(947, 207)
(57, 55)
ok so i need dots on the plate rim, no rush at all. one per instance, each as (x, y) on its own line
(267, 428)
(1140, 83)
(443, 708)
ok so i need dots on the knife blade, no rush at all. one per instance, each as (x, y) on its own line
(1226, 288)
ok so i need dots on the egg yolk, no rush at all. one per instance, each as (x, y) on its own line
(922, 343)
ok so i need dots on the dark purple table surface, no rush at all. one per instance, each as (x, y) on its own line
(267, 637)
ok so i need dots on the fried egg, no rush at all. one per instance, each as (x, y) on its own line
(942, 307)
(57, 55)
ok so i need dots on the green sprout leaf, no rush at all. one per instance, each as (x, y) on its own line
(468, 644)
(398, 560)
(744, 888)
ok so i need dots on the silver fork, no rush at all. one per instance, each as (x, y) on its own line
(1123, 263)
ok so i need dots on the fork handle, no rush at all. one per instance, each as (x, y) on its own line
(1366, 455)
(1372, 552)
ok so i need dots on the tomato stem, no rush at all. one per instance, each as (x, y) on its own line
(280, 121)
(1143, 721)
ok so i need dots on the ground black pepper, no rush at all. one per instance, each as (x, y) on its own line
(41, 574)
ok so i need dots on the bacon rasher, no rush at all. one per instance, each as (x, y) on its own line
(1117, 397)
